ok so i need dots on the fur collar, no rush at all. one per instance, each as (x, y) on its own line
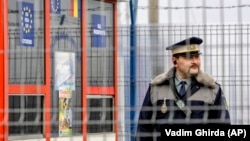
(202, 78)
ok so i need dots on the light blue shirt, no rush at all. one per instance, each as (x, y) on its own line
(178, 84)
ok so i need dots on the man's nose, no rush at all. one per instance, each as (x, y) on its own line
(194, 59)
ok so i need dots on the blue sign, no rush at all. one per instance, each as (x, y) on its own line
(55, 6)
(98, 31)
(26, 14)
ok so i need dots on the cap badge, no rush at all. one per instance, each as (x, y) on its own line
(191, 47)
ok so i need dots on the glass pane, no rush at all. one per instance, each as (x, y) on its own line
(65, 16)
(26, 42)
(100, 43)
(25, 115)
(100, 115)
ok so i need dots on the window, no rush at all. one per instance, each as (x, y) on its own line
(100, 43)
(25, 115)
(26, 42)
(100, 114)
(65, 23)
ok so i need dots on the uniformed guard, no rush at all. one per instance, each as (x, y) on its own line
(183, 95)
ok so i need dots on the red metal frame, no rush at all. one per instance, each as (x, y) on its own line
(101, 90)
(45, 89)
(23, 89)
(32, 89)
(116, 70)
(47, 69)
(84, 70)
(2, 89)
(5, 69)
(92, 90)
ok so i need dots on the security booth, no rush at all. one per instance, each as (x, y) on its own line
(59, 76)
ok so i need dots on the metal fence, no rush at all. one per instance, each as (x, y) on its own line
(225, 55)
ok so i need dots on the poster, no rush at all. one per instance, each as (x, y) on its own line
(64, 70)
(26, 16)
(65, 112)
(65, 84)
(98, 31)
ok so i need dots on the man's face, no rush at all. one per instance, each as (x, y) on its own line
(187, 65)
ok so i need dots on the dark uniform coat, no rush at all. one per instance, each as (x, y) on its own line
(204, 98)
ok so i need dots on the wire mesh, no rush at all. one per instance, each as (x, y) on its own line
(225, 55)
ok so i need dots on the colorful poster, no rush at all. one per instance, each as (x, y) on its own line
(65, 112)
(64, 70)
(65, 84)
(26, 16)
(65, 92)
(65, 123)
(98, 31)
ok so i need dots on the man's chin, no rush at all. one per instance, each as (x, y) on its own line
(194, 73)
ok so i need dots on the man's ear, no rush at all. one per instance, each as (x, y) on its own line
(174, 60)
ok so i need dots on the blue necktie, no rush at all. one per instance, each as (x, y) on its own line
(182, 89)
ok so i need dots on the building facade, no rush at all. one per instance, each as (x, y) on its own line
(58, 69)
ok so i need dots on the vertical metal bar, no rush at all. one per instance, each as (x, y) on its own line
(205, 34)
(2, 51)
(84, 68)
(240, 30)
(4, 60)
(248, 72)
(47, 70)
(133, 5)
(116, 96)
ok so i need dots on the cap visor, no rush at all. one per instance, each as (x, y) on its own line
(188, 53)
